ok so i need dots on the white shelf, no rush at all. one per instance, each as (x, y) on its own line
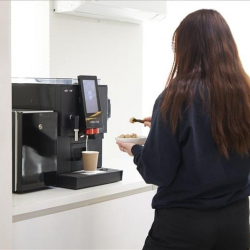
(59, 199)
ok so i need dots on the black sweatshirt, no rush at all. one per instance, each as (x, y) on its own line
(187, 166)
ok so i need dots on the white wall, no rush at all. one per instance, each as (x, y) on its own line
(110, 50)
(30, 38)
(158, 55)
(5, 128)
(157, 59)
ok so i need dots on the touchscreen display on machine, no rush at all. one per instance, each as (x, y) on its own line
(90, 101)
(90, 96)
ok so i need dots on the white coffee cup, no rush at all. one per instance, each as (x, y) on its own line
(89, 160)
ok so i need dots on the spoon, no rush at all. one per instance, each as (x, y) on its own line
(133, 120)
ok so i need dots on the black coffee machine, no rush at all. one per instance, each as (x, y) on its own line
(54, 120)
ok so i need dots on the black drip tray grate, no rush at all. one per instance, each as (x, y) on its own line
(82, 179)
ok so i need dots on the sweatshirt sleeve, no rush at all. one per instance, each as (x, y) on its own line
(158, 160)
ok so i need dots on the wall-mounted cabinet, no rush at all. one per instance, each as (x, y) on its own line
(122, 11)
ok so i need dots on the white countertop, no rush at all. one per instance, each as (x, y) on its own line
(49, 199)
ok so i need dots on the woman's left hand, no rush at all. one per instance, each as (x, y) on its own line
(126, 147)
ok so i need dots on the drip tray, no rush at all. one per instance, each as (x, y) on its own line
(82, 179)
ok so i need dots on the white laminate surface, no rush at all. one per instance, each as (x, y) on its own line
(54, 197)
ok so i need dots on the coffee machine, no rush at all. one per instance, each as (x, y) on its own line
(53, 121)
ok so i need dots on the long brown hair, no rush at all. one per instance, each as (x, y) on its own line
(207, 60)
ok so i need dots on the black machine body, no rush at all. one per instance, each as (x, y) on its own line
(72, 109)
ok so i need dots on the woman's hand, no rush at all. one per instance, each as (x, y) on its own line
(126, 147)
(147, 122)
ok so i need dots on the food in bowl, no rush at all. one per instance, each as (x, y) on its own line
(132, 138)
(133, 135)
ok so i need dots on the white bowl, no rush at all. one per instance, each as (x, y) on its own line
(140, 140)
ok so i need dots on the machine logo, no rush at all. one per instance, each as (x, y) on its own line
(68, 90)
(94, 121)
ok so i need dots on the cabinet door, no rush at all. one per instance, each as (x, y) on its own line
(121, 223)
(65, 230)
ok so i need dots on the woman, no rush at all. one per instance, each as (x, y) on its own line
(197, 151)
